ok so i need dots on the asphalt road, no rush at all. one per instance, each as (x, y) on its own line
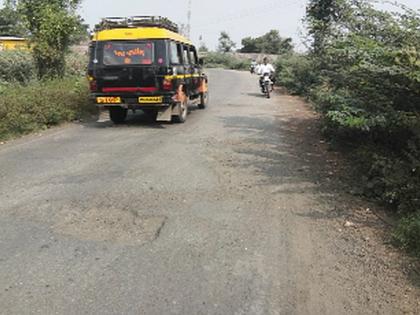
(220, 215)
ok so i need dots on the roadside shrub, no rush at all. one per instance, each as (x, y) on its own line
(76, 64)
(363, 75)
(42, 104)
(226, 61)
(407, 234)
(16, 66)
(295, 73)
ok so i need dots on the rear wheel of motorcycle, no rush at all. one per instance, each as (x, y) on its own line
(267, 91)
(204, 100)
(118, 115)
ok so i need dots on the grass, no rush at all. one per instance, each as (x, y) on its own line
(38, 105)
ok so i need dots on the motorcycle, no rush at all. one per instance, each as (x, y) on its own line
(267, 84)
(252, 69)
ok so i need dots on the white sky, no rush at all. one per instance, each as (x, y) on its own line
(240, 18)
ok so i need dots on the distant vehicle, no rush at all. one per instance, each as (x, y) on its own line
(13, 43)
(253, 67)
(267, 84)
(143, 63)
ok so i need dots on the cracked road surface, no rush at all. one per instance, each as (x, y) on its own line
(230, 213)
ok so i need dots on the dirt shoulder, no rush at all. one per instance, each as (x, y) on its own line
(361, 228)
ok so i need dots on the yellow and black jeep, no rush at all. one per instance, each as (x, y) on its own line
(143, 62)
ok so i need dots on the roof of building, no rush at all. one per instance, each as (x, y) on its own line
(14, 38)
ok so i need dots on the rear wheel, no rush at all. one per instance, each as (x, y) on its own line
(151, 114)
(267, 90)
(118, 115)
(204, 100)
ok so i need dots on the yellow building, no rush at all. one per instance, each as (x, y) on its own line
(13, 43)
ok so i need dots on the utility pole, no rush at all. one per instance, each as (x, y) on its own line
(189, 18)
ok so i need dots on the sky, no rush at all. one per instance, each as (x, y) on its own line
(240, 18)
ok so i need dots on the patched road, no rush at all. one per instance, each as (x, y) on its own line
(227, 214)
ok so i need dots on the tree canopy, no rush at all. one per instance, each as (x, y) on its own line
(10, 21)
(226, 44)
(270, 43)
(53, 25)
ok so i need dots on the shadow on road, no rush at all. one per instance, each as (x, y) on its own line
(134, 120)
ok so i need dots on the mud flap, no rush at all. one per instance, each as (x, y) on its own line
(165, 114)
(176, 110)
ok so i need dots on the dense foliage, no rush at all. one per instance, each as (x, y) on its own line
(42, 104)
(363, 75)
(10, 20)
(16, 66)
(28, 104)
(51, 25)
(270, 43)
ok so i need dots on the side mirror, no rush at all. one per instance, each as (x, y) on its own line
(201, 62)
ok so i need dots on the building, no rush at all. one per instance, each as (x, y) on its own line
(13, 43)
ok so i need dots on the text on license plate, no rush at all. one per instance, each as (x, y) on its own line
(108, 100)
(150, 99)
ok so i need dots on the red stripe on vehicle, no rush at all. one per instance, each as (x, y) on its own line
(129, 89)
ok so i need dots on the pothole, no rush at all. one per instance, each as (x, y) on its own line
(112, 225)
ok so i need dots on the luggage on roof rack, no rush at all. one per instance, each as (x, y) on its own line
(136, 21)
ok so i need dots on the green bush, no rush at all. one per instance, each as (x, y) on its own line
(16, 66)
(41, 104)
(76, 64)
(295, 73)
(226, 61)
(407, 234)
(19, 66)
(363, 75)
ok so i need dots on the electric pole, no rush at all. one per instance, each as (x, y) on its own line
(189, 18)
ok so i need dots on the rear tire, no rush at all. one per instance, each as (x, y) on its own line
(204, 100)
(118, 115)
(151, 114)
(267, 90)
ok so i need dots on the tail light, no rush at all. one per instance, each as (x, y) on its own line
(93, 84)
(167, 84)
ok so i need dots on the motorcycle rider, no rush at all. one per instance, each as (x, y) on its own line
(264, 68)
(254, 66)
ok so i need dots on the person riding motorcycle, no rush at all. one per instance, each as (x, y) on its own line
(253, 66)
(266, 68)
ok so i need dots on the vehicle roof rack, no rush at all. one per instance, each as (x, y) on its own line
(136, 21)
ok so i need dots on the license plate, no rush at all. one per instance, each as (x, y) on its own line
(150, 99)
(108, 100)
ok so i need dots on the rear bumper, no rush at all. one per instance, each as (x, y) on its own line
(132, 101)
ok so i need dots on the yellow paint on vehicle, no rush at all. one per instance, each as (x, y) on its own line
(150, 99)
(139, 34)
(108, 100)
(181, 76)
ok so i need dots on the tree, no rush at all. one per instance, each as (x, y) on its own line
(250, 45)
(320, 18)
(225, 43)
(10, 20)
(270, 43)
(52, 25)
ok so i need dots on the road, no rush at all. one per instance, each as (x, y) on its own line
(230, 213)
